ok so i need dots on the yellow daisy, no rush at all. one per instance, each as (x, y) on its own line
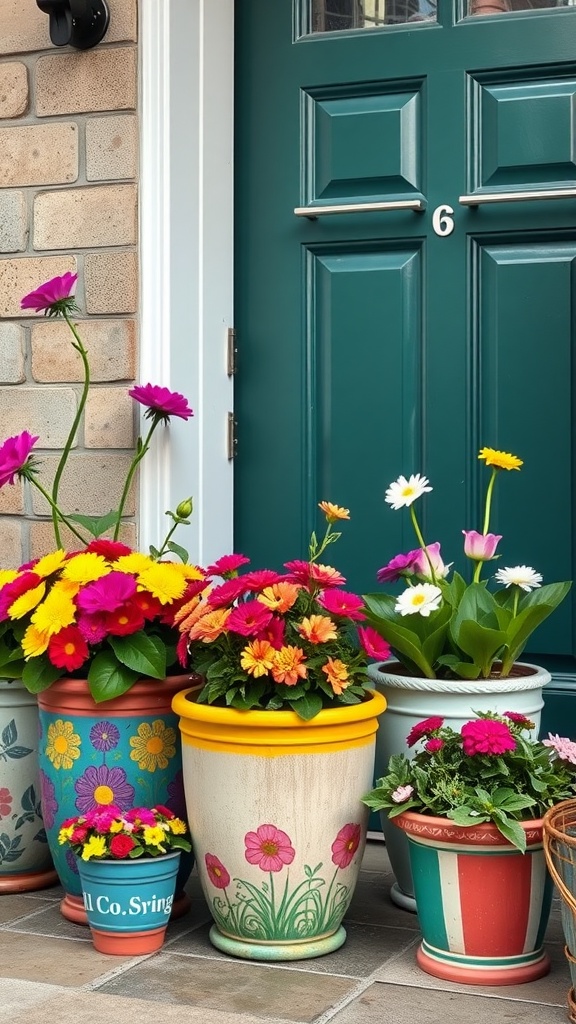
(7, 575)
(154, 835)
(50, 563)
(154, 745)
(333, 512)
(55, 612)
(95, 846)
(86, 567)
(163, 580)
(26, 602)
(177, 826)
(134, 563)
(34, 642)
(63, 744)
(502, 460)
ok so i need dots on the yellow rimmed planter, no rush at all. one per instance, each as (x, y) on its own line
(274, 809)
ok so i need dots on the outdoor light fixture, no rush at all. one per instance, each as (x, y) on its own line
(80, 23)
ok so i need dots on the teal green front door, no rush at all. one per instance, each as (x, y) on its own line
(402, 338)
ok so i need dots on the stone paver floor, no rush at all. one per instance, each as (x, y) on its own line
(50, 972)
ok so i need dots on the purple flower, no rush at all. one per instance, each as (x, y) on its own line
(422, 563)
(400, 565)
(47, 799)
(107, 594)
(103, 786)
(176, 800)
(13, 456)
(480, 546)
(161, 403)
(104, 736)
(72, 861)
(50, 293)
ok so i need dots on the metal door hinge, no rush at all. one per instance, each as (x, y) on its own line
(232, 352)
(232, 439)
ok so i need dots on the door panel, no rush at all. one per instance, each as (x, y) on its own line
(371, 345)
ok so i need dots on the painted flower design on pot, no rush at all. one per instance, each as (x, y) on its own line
(102, 786)
(62, 744)
(269, 848)
(48, 799)
(154, 746)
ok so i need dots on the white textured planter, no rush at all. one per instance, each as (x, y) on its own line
(275, 813)
(25, 862)
(411, 699)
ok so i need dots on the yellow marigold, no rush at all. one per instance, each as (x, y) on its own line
(279, 597)
(177, 826)
(337, 674)
(163, 580)
(502, 460)
(85, 567)
(333, 512)
(94, 847)
(34, 642)
(210, 626)
(116, 826)
(62, 744)
(258, 658)
(189, 572)
(50, 563)
(7, 575)
(318, 629)
(26, 602)
(65, 833)
(154, 746)
(55, 612)
(154, 835)
(135, 562)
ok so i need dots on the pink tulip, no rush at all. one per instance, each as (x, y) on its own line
(480, 546)
(421, 563)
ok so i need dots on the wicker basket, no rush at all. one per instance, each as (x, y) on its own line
(559, 828)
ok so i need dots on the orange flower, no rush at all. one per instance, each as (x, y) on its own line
(279, 597)
(318, 629)
(337, 674)
(333, 512)
(209, 627)
(288, 667)
(189, 613)
(258, 658)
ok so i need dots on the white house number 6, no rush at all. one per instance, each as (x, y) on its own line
(442, 220)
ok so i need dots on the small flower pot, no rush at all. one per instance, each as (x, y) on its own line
(128, 902)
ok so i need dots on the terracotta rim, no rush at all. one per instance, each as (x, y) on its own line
(442, 830)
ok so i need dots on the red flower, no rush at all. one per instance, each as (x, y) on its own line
(79, 834)
(227, 565)
(274, 632)
(432, 746)
(340, 602)
(486, 736)
(424, 729)
(5, 802)
(125, 620)
(216, 871)
(345, 845)
(249, 619)
(161, 403)
(120, 845)
(50, 293)
(148, 606)
(164, 811)
(227, 592)
(519, 719)
(10, 591)
(109, 549)
(68, 649)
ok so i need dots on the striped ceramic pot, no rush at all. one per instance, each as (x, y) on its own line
(482, 905)
(276, 818)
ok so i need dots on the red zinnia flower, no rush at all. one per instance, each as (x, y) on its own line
(227, 592)
(68, 649)
(120, 845)
(125, 620)
(519, 719)
(50, 293)
(249, 619)
(161, 403)
(148, 606)
(273, 632)
(433, 745)
(486, 736)
(424, 729)
(109, 549)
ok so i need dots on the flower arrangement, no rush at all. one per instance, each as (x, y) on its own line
(108, 833)
(448, 629)
(279, 641)
(488, 771)
(103, 610)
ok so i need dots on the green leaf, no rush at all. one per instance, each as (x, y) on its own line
(108, 679)
(96, 525)
(39, 674)
(144, 654)
(404, 641)
(511, 831)
(307, 707)
(176, 549)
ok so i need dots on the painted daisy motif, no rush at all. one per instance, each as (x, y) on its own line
(422, 599)
(402, 492)
(519, 576)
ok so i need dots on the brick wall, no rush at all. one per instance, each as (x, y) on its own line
(68, 201)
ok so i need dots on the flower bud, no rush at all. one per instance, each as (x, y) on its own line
(184, 509)
(480, 546)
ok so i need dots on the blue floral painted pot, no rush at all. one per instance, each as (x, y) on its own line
(125, 752)
(128, 902)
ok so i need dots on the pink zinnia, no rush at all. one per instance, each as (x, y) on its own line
(519, 719)
(217, 873)
(486, 736)
(400, 565)
(249, 619)
(100, 817)
(374, 645)
(106, 594)
(261, 578)
(160, 402)
(141, 816)
(565, 748)
(227, 592)
(92, 627)
(345, 845)
(227, 565)
(14, 454)
(424, 729)
(340, 602)
(269, 848)
(433, 745)
(50, 293)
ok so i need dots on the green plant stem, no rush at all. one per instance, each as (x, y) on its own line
(166, 540)
(56, 514)
(422, 543)
(141, 452)
(487, 507)
(477, 571)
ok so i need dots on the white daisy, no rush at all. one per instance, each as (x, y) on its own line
(404, 492)
(422, 599)
(519, 576)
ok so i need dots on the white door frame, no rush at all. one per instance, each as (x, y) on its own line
(186, 262)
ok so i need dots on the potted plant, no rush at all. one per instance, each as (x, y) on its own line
(284, 712)
(456, 644)
(471, 803)
(128, 862)
(91, 632)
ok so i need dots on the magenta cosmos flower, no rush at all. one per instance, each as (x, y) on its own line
(341, 602)
(160, 402)
(486, 736)
(52, 293)
(217, 873)
(400, 565)
(226, 565)
(269, 848)
(106, 594)
(424, 728)
(14, 455)
(345, 845)
(249, 618)
(480, 546)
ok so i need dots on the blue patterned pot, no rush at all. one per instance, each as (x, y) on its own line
(125, 751)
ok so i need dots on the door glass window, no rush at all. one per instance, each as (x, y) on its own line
(476, 7)
(337, 15)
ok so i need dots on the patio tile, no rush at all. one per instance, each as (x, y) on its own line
(47, 920)
(15, 905)
(371, 903)
(407, 1005)
(233, 986)
(58, 961)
